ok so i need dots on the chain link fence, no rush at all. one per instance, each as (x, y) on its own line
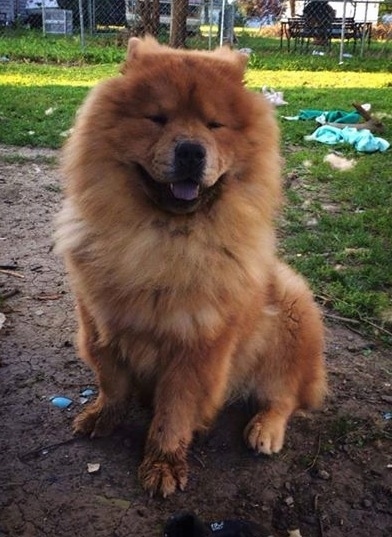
(174, 21)
(296, 25)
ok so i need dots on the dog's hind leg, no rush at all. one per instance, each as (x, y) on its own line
(102, 416)
(290, 373)
(266, 431)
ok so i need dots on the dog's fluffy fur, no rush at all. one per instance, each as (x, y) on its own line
(172, 185)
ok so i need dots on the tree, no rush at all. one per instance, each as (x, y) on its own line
(148, 17)
(262, 8)
(178, 23)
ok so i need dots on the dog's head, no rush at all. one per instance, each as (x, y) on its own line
(186, 125)
(180, 122)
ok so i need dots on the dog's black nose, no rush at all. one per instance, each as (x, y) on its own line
(189, 160)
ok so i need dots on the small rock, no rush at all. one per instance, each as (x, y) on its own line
(312, 222)
(289, 501)
(324, 475)
(93, 467)
(367, 503)
(294, 533)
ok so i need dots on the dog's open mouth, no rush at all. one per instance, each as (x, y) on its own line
(185, 190)
(178, 197)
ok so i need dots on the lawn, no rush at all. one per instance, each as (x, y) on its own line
(337, 225)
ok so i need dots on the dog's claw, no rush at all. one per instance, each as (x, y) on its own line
(162, 476)
(265, 435)
(97, 420)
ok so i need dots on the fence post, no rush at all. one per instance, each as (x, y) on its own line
(178, 23)
(43, 18)
(342, 32)
(81, 24)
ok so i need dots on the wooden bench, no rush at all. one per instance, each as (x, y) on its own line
(299, 31)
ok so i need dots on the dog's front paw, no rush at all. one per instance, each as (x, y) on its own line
(265, 434)
(97, 420)
(163, 474)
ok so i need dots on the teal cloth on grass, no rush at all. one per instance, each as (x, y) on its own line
(363, 140)
(333, 116)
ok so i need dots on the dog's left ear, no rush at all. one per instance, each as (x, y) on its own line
(137, 47)
(134, 45)
(132, 52)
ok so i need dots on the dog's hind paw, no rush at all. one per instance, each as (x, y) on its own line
(163, 474)
(265, 433)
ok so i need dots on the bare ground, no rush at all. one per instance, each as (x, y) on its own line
(333, 478)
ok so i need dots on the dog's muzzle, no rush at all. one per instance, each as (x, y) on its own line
(189, 166)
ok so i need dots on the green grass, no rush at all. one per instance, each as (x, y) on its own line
(39, 101)
(336, 227)
(32, 46)
(344, 251)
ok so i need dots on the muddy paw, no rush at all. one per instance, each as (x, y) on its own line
(265, 435)
(163, 475)
(97, 420)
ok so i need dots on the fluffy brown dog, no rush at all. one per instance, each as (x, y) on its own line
(172, 185)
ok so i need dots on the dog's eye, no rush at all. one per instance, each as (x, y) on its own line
(160, 119)
(214, 125)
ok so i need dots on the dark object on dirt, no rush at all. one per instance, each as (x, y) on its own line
(189, 525)
(186, 525)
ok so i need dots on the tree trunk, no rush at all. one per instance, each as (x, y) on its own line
(178, 23)
(148, 14)
(155, 18)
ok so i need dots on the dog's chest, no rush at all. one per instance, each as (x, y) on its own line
(170, 283)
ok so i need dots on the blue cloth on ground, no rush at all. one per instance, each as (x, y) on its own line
(333, 116)
(363, 140)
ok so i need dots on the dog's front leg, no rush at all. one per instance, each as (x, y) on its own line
(189, 392)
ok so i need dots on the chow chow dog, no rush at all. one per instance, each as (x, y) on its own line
(172, 186)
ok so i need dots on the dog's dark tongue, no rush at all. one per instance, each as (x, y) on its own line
(185, 190)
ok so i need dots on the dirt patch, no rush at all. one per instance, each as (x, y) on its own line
(333, 478)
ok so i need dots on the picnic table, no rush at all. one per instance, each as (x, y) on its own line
(298, 30)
